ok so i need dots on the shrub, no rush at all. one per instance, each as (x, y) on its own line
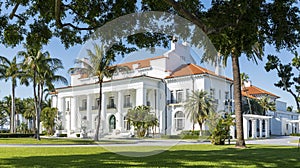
(295, 134)
(78, 135)
(11, 135)
(62, 135)
(171, 136)
(220, 127)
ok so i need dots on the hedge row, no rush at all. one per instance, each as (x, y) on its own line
(11, 135)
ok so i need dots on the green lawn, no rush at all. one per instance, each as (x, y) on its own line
(59, 141)
(177, 156)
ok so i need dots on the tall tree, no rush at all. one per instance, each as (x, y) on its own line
(198, 107)
(99, 65)
(42, 70)
(288, 80)
(12, 72)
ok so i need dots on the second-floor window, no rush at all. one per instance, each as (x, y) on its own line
(179, 96)
(111, 102)
(127, 101)
(83, 105)
(212, 93)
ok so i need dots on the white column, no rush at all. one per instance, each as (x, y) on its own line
(61, 107)
(260, 128)
(246, 128)
(120, 109)
(74, 110)
(103, 123)
(88, 112)
(267, 128)
(141, 96)
(254, 128)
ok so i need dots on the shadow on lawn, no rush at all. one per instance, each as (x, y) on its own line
(223, 157)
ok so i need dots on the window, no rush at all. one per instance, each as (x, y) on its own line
(111, 102)
(127, 101)
(68, 106)
(172, 97)
(179, 96)
(83, 105)
(187, 94)
(226, 95)
(212, 93)
(179, 120)
(126, 124)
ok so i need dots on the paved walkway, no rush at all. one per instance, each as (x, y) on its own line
(279, 140)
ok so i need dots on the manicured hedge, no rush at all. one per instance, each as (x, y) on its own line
(11, 135)
(62, 135)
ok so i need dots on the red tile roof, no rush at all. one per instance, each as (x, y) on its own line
(141, 63)
(192, 69)
(244, 94)
(253, 90)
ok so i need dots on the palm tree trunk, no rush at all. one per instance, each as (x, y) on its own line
(250, 108)
(96, 138)
(13, 107)
(200, 131)
(36, 105)
(240, 142)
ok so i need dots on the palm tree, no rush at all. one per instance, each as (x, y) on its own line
(245, 78)
(48, 116)
(198, 106)
(41, 68)
(266, 104)
(99, 65)
(12, 70)
(29, 111)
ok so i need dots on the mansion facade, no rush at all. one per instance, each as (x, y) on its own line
(163, 82)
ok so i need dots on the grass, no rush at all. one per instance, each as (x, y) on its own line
(178, 156)
(58, 141)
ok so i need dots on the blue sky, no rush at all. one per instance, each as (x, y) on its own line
(257, 73)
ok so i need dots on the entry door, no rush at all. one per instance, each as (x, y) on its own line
(112, 123)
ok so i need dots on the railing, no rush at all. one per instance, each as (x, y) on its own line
(110, 106)
(127, 105)
(82, 108)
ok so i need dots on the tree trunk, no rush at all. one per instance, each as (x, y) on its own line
(200, 131)
(250, 108)
(13, 107)
(96, 138)
(240, 142)
(296, 100)
(37, 106)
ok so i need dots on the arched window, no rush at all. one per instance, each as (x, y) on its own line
(179, 120)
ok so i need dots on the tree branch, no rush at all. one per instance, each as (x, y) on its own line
(59, 24)
(12, 14)
(178, 7)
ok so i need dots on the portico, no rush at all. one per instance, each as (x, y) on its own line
(256, 126)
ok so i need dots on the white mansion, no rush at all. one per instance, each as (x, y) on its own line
(163, 83)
